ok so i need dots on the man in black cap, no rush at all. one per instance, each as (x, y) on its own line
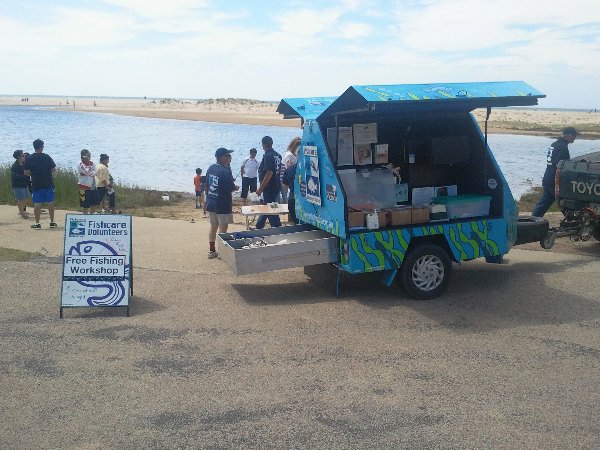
(558, 151)
(270, 183)
(219, 186)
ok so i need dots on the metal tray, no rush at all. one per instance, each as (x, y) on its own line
(293, 246)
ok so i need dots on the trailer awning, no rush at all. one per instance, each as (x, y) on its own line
(305, 108)
(402, 98)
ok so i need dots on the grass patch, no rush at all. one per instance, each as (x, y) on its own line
(11, 254)
(530, 199)
(130, 198)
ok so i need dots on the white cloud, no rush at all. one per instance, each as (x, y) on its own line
(198, 49)
(160, 9)
(354, 30)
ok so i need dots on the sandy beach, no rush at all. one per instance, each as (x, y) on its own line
(257, 112)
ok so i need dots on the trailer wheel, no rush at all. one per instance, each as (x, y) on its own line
(425, 272)
(548, 242)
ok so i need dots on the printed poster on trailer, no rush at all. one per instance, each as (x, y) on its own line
(97, 261)
(311, 169)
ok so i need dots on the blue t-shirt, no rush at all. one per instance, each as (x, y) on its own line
(271, 161)
(220, 186)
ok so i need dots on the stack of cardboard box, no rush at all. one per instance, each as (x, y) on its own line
(401, 215)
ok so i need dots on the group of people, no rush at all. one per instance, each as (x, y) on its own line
(95, 183)
(33, 174)
(274, 173)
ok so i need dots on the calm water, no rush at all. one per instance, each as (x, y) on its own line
(164, 153)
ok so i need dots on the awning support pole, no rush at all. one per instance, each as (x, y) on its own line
(487, 116)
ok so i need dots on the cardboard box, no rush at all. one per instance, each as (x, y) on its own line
(400, 216)
(356, 219)
(382, 218)
(419, 214)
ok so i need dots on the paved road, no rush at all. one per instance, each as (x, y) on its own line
(508, 358)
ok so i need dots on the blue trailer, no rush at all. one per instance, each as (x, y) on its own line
(393, 179)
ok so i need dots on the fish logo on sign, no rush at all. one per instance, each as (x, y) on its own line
(76, 227)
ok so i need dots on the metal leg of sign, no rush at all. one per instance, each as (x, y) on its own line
(60, 314)
(128, 311)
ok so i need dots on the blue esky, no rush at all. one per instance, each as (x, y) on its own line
(273, 49)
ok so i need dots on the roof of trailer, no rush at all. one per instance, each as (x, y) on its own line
(400, 98)
(306, 108)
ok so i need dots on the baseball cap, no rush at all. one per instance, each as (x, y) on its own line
(570, 130)
(222, 152)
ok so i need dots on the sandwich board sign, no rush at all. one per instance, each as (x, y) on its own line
(97, 261)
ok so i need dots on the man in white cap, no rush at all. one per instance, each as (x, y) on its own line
(219, 186)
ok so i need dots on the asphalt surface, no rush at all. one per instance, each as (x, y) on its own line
(509, 357)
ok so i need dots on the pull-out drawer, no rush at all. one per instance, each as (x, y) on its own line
(277, 248)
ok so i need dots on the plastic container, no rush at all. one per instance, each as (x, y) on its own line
(369, 189)
(462, 206)
(372, 221)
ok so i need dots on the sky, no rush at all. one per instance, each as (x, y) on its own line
(271, 49)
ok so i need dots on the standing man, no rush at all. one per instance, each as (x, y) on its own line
(558, 151)
(19, 182)
(41, 167)
(249, 172)
(270, 183)
(220, 185)
(104, 183)
(87, 183)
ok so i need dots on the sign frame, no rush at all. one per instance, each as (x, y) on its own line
(97, 266)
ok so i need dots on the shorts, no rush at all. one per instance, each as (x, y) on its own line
(220, 219)
(45, 195)
(21, 193)
(102, 192)
(199, 194)
(87, 198)
(248, 184)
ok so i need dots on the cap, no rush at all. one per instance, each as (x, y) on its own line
(570, 130)
(222, 152)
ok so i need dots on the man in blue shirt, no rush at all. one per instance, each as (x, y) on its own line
(219, 186)
(558, 151)
(270, 183)
(41, 167)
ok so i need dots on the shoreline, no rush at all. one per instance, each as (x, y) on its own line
(535, 121)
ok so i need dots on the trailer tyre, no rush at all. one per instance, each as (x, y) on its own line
(548, 242)
(531, 229)
(425, 272)
(596, 232)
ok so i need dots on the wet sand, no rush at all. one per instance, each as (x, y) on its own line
(255, 112)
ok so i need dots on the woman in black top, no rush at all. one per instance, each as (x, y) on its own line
(20, 182)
